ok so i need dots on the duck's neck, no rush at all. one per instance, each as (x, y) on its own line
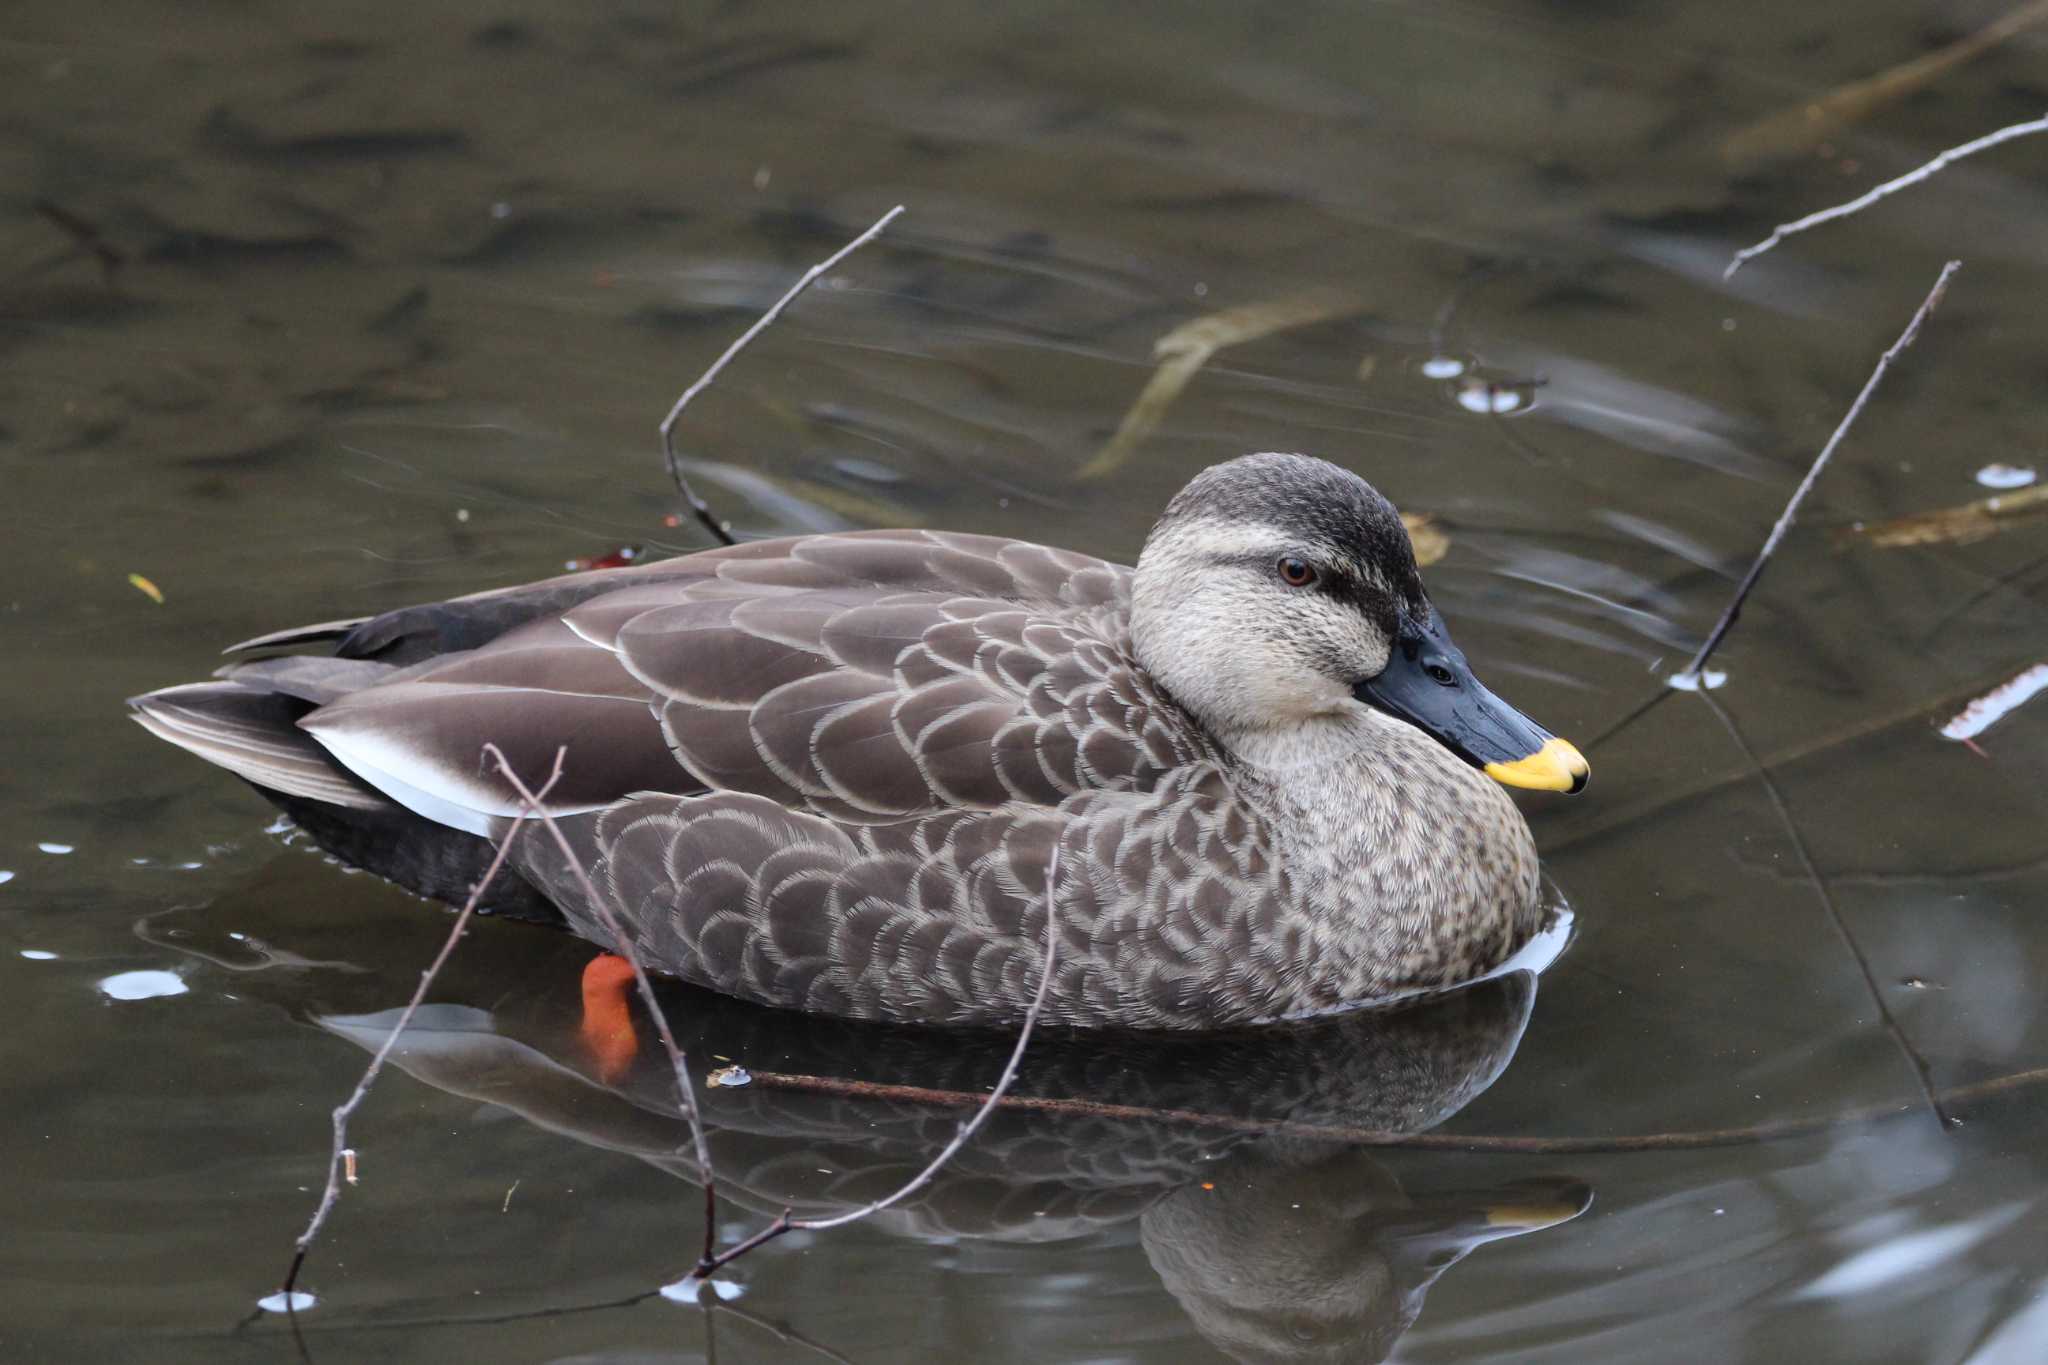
(1417, 866)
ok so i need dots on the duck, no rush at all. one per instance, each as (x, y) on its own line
(832, 772)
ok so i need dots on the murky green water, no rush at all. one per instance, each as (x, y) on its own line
(401, 293)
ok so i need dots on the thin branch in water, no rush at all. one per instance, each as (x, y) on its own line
(723, 530)
(623, 946)
(989, 1104)
(341, 1154)
(1921, 1071)
(1889, 187)
(88, 237)
(1681, 1140)
(1820, 461)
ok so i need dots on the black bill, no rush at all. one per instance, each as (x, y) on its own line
(1428, 684)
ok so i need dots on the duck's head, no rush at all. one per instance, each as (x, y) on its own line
(1277, 590)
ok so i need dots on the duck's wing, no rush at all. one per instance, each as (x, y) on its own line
(861, 677)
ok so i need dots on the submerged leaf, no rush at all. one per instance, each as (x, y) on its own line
(147, 588)
(1951, 525)
(1188, 347)
(1789, 132)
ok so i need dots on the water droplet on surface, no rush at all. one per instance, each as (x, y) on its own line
(2006, 476)
(38, 954)
(298, 1301)
(50, 846)
(1442, 367)
(143, 985)
(6, 877)
(729, 1077)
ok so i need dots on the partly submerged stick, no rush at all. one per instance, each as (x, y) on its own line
(1922, 1073)
(988, 1105)
(711, 523)
(1680, 1140)
(1820, 461)
(623, 946)
(1889, 187)
(339, 1157)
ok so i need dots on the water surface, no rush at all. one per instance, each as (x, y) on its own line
(392, 297)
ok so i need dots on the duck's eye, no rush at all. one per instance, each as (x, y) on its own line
(1439, 674)
(1296, 573)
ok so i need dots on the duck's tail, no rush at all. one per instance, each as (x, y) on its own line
(246, 721)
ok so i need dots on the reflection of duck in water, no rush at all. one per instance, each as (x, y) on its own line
(1313, 1252)
(1277, 1247)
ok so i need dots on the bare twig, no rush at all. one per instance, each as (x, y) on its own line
(988, 1105)
(1889, 187)
(1921, 1072)
(340, 1157)
(623, 946)
(1742, 591)
(711, 523)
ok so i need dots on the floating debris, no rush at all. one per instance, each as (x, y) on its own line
(729, 1078)
(1187, 348)
(143, 985)
(2005, 475)
(617, 559)
(1429, 539)
(1972, 521)
(147, 588)
(1709, 678)
(298, 1301)
(1985, 712)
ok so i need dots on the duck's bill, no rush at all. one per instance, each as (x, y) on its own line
(1428, 684)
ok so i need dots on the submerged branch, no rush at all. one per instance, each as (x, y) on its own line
(1921, 1071)
(1682, 1140)
(723, 530)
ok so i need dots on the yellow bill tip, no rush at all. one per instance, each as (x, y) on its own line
(1556, 767)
